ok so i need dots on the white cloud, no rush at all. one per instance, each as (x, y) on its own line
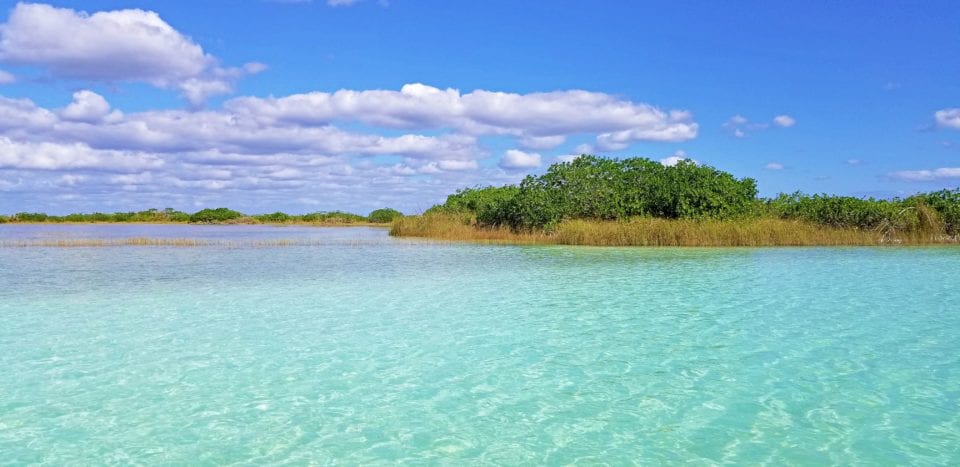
(853, 161)
(737, 125)
(944, 173)
(774, 166)
(676, 158)
(341, 2)
(7, 77)
(541, 142)
(948, 118)
(90, 107)
(784, 121)
(567, 157)
(89, 120)
(113, 46)
(456, 165)
(740, 127)
(515, 159)
(583, 149)
(53, 156)
(537, 119)
(270, 157)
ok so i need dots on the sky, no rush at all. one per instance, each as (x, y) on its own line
(305, 106)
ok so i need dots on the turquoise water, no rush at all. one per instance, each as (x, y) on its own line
(383, 350)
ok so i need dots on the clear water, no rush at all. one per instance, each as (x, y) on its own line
(387, 351)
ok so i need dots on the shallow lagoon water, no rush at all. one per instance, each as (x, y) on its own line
(362, 349)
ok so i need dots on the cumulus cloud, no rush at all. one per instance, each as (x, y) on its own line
(254, 153)
(53, 156)
(784, 121)
(90, 120)
(7, 77)
(943, 173)
(740, 127)
(113, 46)
(90, 107)
(516, 159)
(948, 118)
(540, 120)
(541, 142)
(774, 166)
(676, 158)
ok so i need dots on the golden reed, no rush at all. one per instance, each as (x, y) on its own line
(663, 232)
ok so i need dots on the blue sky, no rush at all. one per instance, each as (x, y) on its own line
(319, 105)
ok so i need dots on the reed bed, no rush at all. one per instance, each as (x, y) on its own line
(666, 232)
(459, 229)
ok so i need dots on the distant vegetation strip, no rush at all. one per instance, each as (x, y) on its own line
(637, 201)
(186, 242)
(210, 216)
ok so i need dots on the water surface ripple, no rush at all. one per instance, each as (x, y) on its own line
(386, 351)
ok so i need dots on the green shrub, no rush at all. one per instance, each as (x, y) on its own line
(207, 216)
(277, 217)
(599, 188)
(30, 217)
(845, 211)
(947, 205)
(488, 205)
(384, 215)
(333, 217)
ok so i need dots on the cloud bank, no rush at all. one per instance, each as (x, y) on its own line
(114, 46)
(932, 175)
(272, 150)
(321, 148)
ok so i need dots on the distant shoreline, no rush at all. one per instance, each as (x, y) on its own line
(202, 224)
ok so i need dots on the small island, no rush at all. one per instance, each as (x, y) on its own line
(640, 202)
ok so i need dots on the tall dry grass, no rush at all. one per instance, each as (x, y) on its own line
(708, 233)
(667, 232)
(460, 228)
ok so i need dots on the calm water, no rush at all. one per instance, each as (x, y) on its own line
(382, 350)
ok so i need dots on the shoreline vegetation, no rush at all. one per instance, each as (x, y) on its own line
(219, 216)
(639, 202)
(601, 202)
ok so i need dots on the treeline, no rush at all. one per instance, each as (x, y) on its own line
(595, 188)
(209, 216)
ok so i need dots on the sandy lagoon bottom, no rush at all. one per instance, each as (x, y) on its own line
(358, 348)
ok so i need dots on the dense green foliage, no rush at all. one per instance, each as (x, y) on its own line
(333, 217)
(218, 215)
(150, 215)
(384, 215)
(607, 189)
(841, 211)
(274, 218)
(491, 205)
(597, 188)
(947, 205)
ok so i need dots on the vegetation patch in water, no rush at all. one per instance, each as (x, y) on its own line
(637, 201)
